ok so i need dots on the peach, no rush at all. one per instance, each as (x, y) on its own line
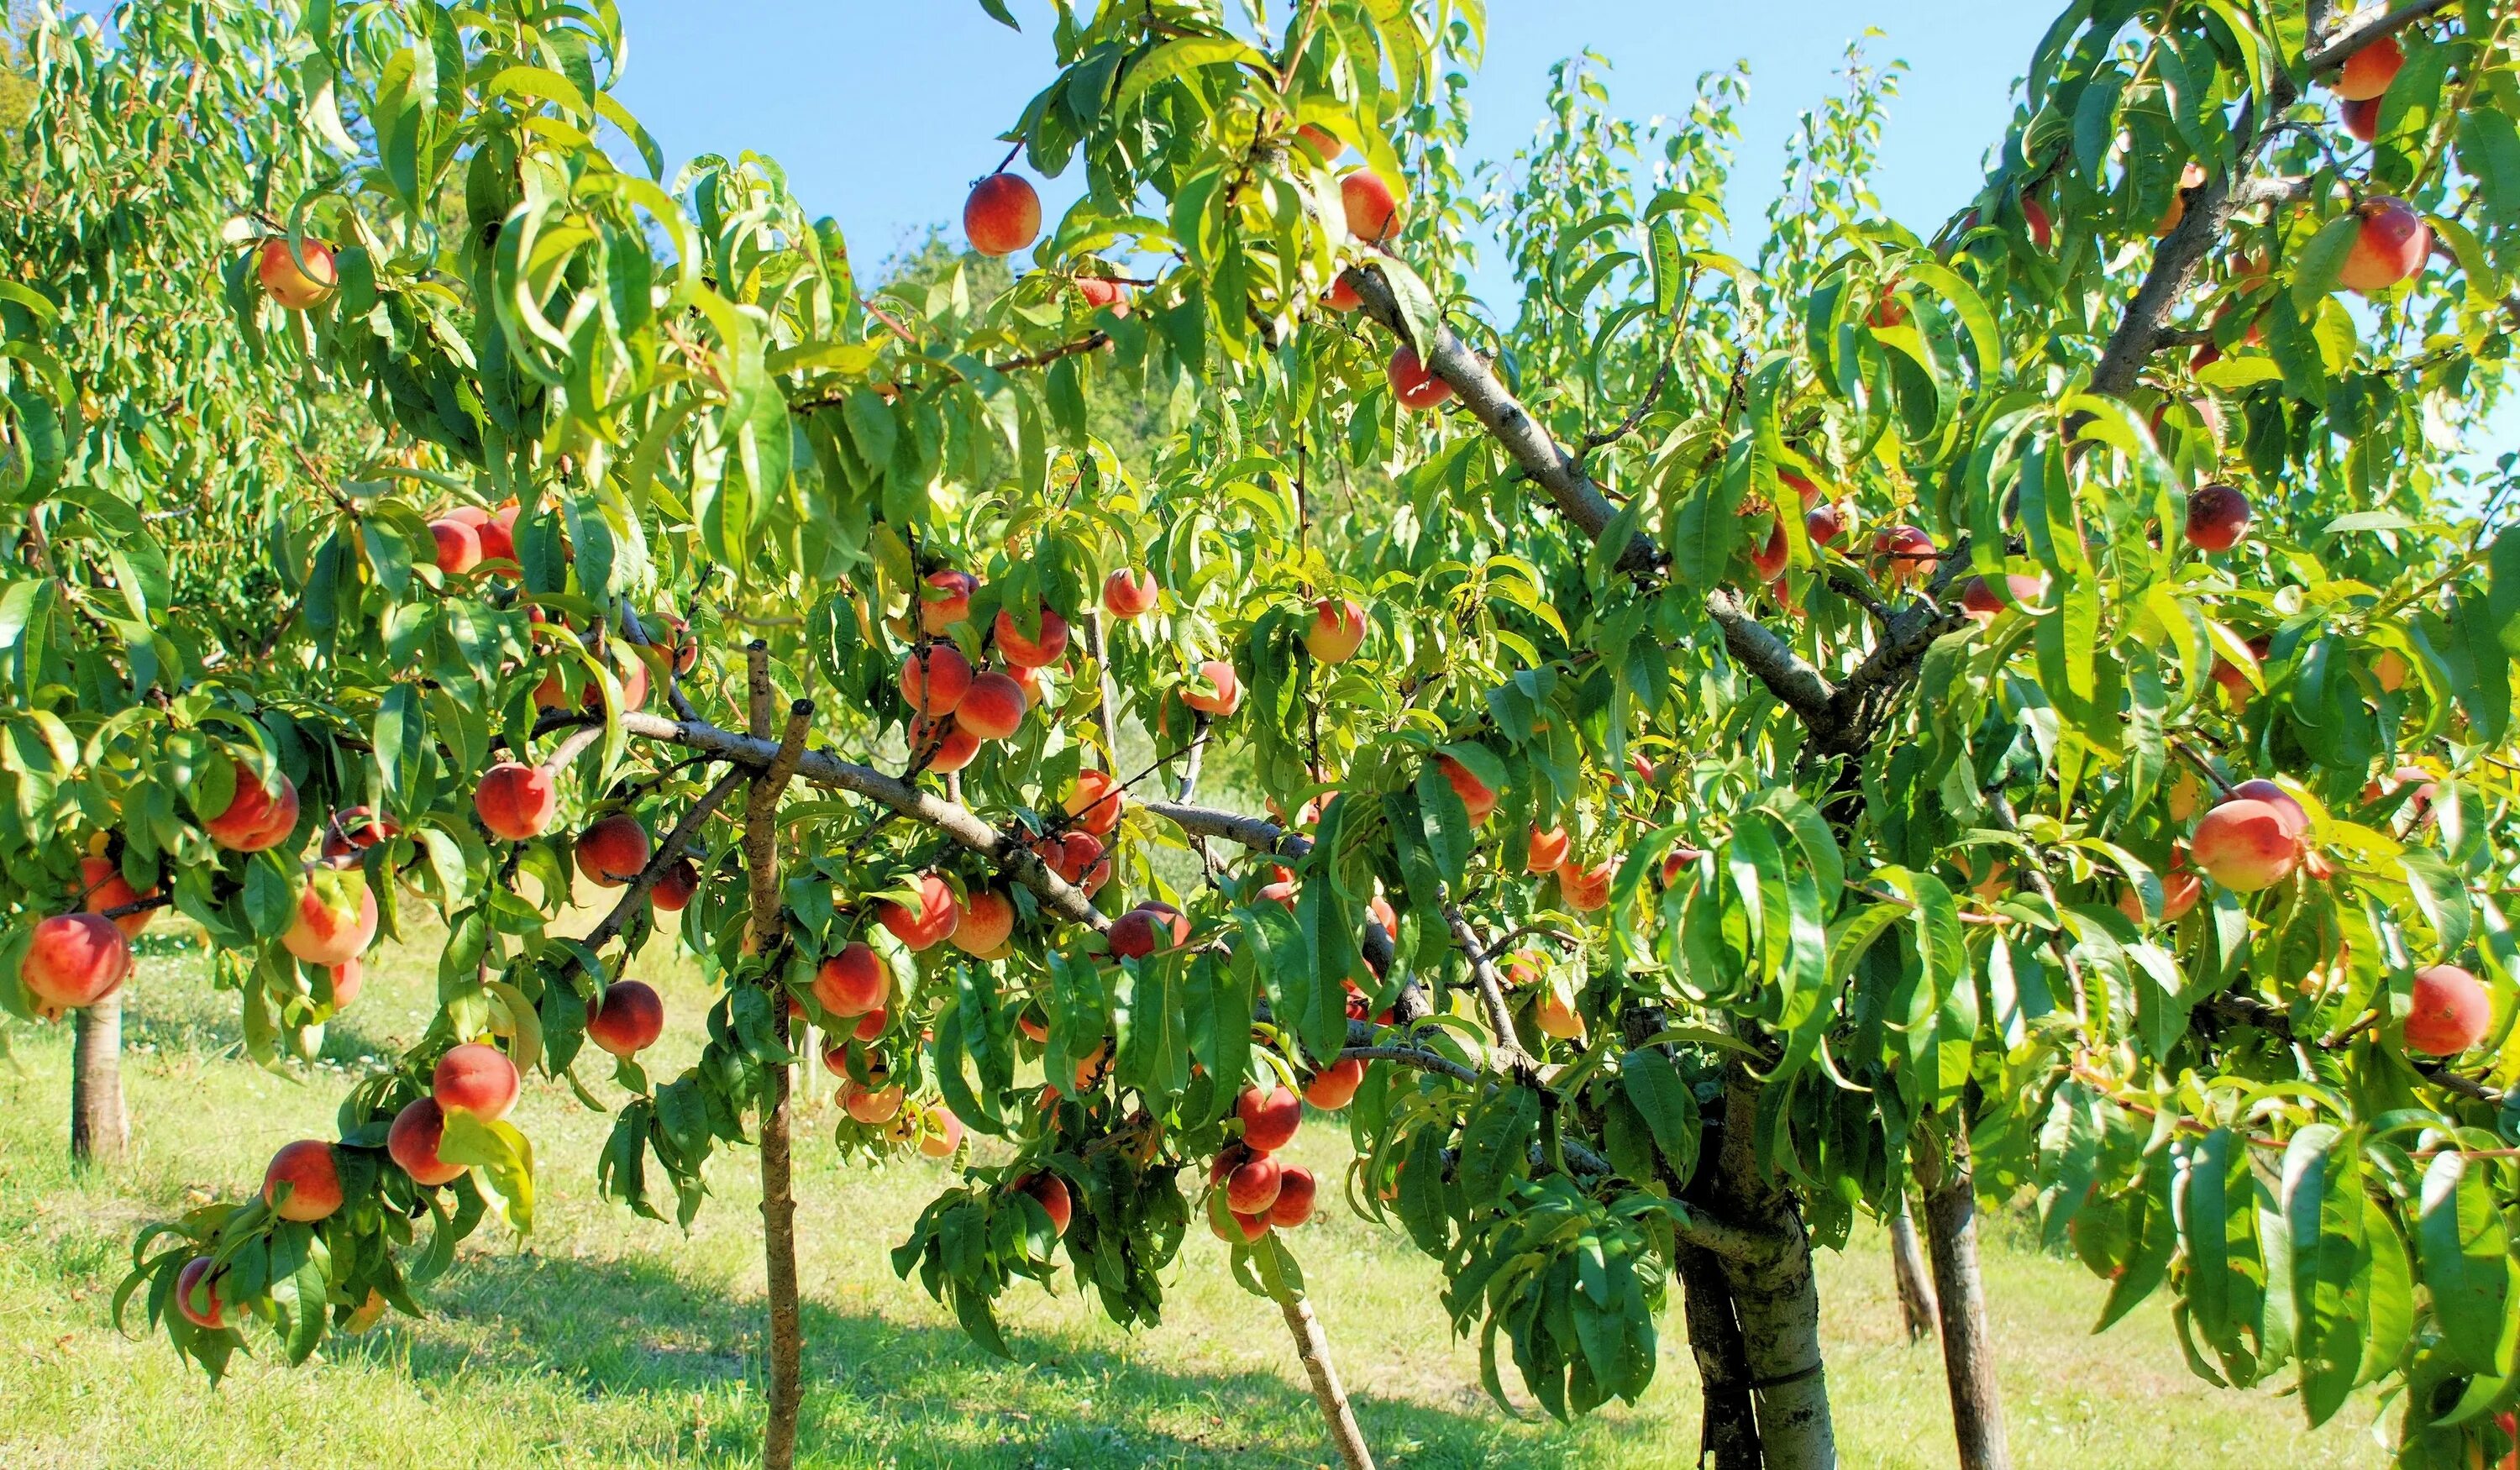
(1096, 801)
(1129, 592)
(1077, 858)
(870, 1105)
(1035, 688)
(2362, 118)
(197, 1294)
(2190, 177)
(992, 709)
(1337, 631)
(1269, 1119)
(1909, 552)
(73, 961)
(475, 1078)
(498, 537)
(1223, 691)
(852, 982)
(1147, 929)
(1031, 652)
(1557, 1018)
(629, 670)
(2390, 247)
(1769, 560)
(1294, 1206)
(1980, 600)
(614, 851)
(1474, 793)
(459, 546)
(1412, 384)
(1371, 210)
(2390, 671)
(1003, 215)
(671, 637)
(628, 1020)
(2245, 845)
(943, 1136)
(352, 831)
(1096, 1064)
(1233, 1227)
(1678, 862)
(1586, 892)
(1252, 1188)
(1051, 1193)
(103, 887)
(1341, 298)
(2296, 821)
(1548, 851)
(934, 676)
(2368, 72)
(347, 978)
(1378, 910)
(2452, 1011)
(257, 817)
(1824, 524)
(295, 286)
(873, 1025)
(305, 1169)
(333, 926)
(2042, 230)
(1335, 1087)
(946, 744)
(988, 918)
(676, 886)
(517, 801)
(2180, 891)
(932, 923)
(2218, 515)
(1323, 145)
(413, 1141)
(945, 600)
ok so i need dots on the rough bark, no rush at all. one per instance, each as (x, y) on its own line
(765, 933)
(1312, 1348)
(1727, 1436)
(1917, 1305)
(100, 1130)
(1968, 1345)
(1775, 1294)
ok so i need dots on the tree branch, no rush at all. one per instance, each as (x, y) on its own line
(667, 853)
(1803, 688)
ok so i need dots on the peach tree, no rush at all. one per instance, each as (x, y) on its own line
(2023, 711)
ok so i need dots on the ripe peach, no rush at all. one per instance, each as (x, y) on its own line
(1223, 693)
(2218, 515)
(2362, 118)
(1035, 687)
(1096, 801)
(948, 603)
(934, 676)
(2452, 1011)
(2368, 72)
(851, 983)
(1323, 143)
(314, 1185)
(413, 1141)
(475, 1078)
(872, 1026)
(676, 886)
(1589, 891)
(292, 285)
(256, 816)
(1337, 631)
(333, 924)
(1548, 851)
(867, 1104)
(614, 851)
(517, 801)
(629, 670)
(1557, 1018)
(1100, 292)
(347, 978)
(932, 923)
(1003, 215)
(197, 1294)
(1909, 552)
(1077, 858)
(1823, 525)
(1980, 600)
(2180, 891)
(1412, 384)
(1294, 1203)
(2390, 671)
(992, 709)
(2245, 845)
(1370, 210)
(1029, 653)
(943, 1136)
(1269, 1119)
(351, 832)
(1335, 1087)
(498, 537)
(988, 918)
(1676, 862)
(1147, 929)
(1474, 793)
(1378, 910)
(1128, 593)
(459, 547)
(102, 887)
(1096, 1064)
(948, 746)
(1051, 1193)
(73, 961)
(2390, 247)
(2042, 230)
(2190, 177)
(1253, 1186)
(629, 1019)
(1231, 1227)
(2296, 821)
(1769, 560)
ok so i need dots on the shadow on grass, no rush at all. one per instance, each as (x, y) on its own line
(881, 1390)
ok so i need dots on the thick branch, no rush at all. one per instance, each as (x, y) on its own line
(1541, 457)
(1800, 686)
(1256, 833)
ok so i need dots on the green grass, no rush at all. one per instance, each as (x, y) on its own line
(604, 1340)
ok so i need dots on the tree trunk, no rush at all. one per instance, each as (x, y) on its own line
(765, 937)
(1968, 1346)
(1917, 1307)
(1776, 1295)
(100, 1130)
(1727, 1436)
(1313, 1347)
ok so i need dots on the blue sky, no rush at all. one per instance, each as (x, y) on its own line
(882, 111)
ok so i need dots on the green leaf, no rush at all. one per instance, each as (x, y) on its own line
(1668, 1106)
(2466, 1256)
